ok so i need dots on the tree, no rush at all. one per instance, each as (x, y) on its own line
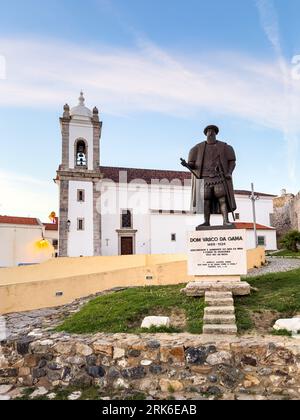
(291, 241)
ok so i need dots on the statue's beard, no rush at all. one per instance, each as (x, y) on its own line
(211, 139)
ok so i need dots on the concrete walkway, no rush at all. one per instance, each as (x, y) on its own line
(276, 265)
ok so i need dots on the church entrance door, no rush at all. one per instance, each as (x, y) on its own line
(127, 245)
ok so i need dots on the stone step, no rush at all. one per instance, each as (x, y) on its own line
(219, 310)
(219, 302)
(218, 295)
(198, 289)
(219, 319)
(220, 329)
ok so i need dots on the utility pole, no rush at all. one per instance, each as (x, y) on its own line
(254, 198)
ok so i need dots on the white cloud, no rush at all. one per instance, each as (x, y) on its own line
(290, 103)
(23, 195)
(46, 73)
(269, 22)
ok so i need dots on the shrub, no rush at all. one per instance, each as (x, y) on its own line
(291, 241)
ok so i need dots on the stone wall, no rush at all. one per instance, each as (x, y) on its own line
(295, 213)
(286, 214)
(158, 365)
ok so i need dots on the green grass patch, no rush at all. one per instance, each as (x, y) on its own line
(136, 397)
(282, 333)
(157, 330)
(244, 320)
(25, 394)
(62, 394)
(279, 292)
(124, 311)
(286, 253)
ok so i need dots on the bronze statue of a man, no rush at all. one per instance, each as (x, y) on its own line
(213, 161)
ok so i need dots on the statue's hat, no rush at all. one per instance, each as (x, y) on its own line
(212, 127)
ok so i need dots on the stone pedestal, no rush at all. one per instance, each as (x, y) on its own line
(217, 258)
(199, 288)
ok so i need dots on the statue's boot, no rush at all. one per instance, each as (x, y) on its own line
(206, 222)
(224, 212)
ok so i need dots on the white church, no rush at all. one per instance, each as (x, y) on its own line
(123, 211)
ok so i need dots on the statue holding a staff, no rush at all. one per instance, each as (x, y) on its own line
(213, 162)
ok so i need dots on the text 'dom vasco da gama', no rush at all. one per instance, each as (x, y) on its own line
(217, 253)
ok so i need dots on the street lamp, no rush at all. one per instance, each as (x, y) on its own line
(253, 197)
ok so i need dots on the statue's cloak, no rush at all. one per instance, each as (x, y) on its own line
(227, 159)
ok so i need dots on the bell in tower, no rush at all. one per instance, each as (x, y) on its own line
(81, 156)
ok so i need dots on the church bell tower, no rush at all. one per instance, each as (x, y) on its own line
(78, 177)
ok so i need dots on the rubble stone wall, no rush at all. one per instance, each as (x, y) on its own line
(160, 364)
(286, 214)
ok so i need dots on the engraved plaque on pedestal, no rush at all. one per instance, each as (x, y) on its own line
(217, 253)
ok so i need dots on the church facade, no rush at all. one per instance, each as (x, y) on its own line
(122, 211)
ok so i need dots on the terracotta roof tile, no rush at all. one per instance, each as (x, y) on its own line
(113, 173)
(250, 226)
(147, 175)
(51, 226)
(12, 220)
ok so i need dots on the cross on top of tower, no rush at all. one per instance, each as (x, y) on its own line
(81, 99)
(81, 110)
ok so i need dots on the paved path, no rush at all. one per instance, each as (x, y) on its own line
(34, 323)
(276, 265)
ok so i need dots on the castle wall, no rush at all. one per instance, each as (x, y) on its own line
(286, 214)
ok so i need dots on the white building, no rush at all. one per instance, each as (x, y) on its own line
(51, 235)
(150, 213)
(116, 211)
(22, 241)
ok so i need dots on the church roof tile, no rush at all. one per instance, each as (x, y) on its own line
(113, 173)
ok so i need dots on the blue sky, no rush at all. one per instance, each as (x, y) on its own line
(159, 71)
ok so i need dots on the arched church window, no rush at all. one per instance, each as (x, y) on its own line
(81, 153)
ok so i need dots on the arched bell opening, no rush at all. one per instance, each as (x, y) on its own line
(81, 153)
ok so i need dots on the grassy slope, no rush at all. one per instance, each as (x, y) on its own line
(277, 292)
(93, 393)
(124, 311)
(286, 253)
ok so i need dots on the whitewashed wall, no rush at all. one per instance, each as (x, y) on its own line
(264, 209)
(18, 245)
(80, 242)
(154, 230)
(162, 227)
(51, 235)
(270, 235)
(115, 198)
